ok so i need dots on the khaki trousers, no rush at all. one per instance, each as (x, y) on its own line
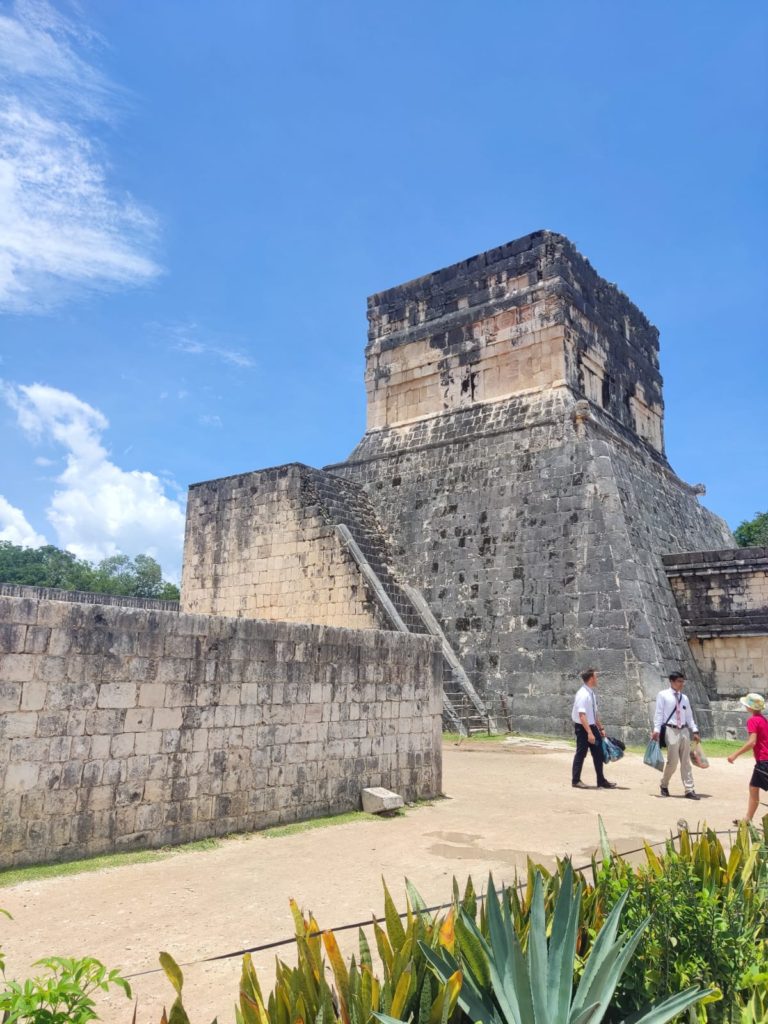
(678, 752)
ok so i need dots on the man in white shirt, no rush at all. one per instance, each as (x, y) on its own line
(674, 711)
(589, 732)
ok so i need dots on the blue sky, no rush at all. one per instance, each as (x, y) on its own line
(197, 197)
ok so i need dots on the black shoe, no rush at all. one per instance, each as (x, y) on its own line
(605, 784)
(579, 785)
(664, 790)
(690, 795)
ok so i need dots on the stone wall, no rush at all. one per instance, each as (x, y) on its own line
(722, 597)
(258, 545)
(124, 728)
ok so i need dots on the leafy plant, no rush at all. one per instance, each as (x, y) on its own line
(707, 911)
(697, 915)
(502, 985)
(304, 993)
(62, 996)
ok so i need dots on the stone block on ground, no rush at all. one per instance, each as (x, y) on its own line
(376, 800)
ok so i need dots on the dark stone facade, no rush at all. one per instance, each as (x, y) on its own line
(721, 593)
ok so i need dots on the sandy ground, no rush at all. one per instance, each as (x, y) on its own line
(504, 802)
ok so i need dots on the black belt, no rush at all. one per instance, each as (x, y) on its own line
(678, 727)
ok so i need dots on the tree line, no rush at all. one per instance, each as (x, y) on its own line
(49, 566)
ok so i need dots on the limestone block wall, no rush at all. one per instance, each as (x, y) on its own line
(257, 546)
(123, 728)
(722, 597)
(732, 665)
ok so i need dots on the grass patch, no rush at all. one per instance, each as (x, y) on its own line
(482, 737)
(37, 872)
(295, 827)
(104, 862)
(712, 748)
(500, 737)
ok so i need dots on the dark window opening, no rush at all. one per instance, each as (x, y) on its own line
(606, 395)
(469, 383)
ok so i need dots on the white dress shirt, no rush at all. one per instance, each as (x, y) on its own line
(585, 703)
(665, 710)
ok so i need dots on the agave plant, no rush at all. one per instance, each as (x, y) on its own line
(503, 985)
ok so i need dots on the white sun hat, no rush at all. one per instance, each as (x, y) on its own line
(753, 701)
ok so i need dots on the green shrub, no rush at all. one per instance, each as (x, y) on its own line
(708, 921)
(62, 995)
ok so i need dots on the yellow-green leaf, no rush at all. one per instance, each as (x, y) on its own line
(400, 997)
(172, 971)
(339, 973)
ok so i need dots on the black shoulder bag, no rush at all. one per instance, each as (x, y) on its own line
(663, 730)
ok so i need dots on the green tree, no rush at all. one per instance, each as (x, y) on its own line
(49, 566)
(137, 577)
(753, 533)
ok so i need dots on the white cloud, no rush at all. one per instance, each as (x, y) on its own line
(62, 226)
(185, 337)
(97, 509)
(15, 527)
(210, 420)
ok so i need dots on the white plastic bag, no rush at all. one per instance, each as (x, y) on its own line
(698, 757)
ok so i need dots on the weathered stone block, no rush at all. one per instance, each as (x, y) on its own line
(33, 696)
(17, 668)
(10, 696)
(20, 778)
(117, 695)
(12, 637)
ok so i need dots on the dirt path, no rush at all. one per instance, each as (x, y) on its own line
(504, 803)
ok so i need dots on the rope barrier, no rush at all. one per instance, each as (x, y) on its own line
(427, 910)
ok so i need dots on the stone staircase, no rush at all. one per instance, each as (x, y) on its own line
(347, 508)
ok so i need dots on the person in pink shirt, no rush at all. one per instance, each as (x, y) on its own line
(757, 727)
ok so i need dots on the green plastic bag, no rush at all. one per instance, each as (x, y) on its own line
(653, 756)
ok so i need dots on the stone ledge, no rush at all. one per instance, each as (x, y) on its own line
(723, 559)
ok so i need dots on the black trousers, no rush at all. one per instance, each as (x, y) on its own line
(582, 746)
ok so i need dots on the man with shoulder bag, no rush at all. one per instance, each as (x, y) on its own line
(674, 727)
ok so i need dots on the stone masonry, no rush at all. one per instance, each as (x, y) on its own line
(127, 727)
(514, 460)
(722, 597)
(259, 545)
(515, 456)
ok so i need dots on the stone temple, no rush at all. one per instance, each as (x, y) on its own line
(508, 519)
(511, 495)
